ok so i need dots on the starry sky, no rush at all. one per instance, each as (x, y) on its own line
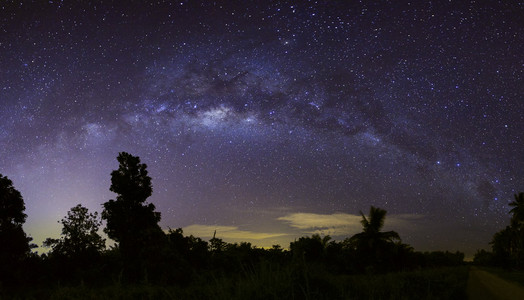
(270, 120)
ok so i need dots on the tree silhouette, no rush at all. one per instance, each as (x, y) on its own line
(80, 236)
(310, 248)
(132, 222)
(372, 244)
(190, 248)
(503, 245)
(518, 209)
(216, 245)
(14, 244)
(517, 230)
(372, 236)
(508, 244)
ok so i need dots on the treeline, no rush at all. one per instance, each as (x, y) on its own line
(508, 244)
(144, 253)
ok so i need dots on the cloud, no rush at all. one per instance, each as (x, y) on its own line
(338, 224)
(228, 232)
(311, 220)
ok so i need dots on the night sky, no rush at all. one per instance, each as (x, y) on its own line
(268, 121)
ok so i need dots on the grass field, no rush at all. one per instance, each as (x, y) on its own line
(273, 282)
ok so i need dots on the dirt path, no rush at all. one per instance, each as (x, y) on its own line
(483, 285)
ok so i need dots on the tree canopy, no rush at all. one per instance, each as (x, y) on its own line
(80, 236)
(131, 221)
(508, 244)
(518, 209)
(131, 181)
(14, 243)
(11, 204)
(373, 246)
(371, 235)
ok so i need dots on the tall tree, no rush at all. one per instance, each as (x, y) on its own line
(132, 222)
(373, 245)
(14, 243)
(517, 210)
(371, 235)
(503, 245)
(80, 238)
(517, 226)
(508, 244)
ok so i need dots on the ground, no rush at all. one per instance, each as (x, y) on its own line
(484, 285)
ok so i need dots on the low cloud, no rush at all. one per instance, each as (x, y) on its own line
(310, 220)
(301, 224)
(228, 232)
(341, 224)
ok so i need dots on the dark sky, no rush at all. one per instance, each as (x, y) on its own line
(270, 120)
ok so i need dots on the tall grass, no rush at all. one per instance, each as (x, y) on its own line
(314, 282)
(442, 283)
(273, 281)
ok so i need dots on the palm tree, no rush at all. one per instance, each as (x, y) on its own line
(518, 209)
(517, 229)
(374, 247)
(372, 237)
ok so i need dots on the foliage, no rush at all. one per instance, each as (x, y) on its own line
(315, 268)
(217, 245)
(518, 209)
(190, 248)
(12, 204)
(274, 281)
(441, 283)
(80, 236)
(310, 248)
(14, 243)
(132, 222)
(443, 258)
(508, 244)
(131, 181)
(483, 257)
(373, 245)
(372, 237)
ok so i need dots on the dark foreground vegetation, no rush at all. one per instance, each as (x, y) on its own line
(506, 258)
(147, 263)
(274, 283)
(507, 244)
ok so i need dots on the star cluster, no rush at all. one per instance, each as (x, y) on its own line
(262, 117)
